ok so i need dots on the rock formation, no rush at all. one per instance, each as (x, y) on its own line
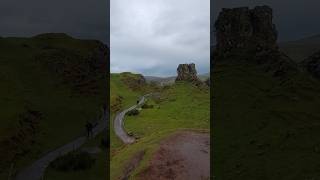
(312, 64)
(245, 29)
(249, 34)
(187, 72)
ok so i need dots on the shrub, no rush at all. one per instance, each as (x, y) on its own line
(147, 106)
(73, 161)
(133, 112)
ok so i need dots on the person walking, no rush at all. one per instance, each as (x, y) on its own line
(89, 128)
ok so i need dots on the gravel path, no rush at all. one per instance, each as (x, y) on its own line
(119, 122)
(36, 170)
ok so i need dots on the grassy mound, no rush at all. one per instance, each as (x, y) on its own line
(47, 81)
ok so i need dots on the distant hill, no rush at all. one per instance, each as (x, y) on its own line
(301, 49)
(171, 79)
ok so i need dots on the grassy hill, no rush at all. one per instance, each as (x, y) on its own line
(301, 49)
(265, 126)
(179, 106)
(51, 84)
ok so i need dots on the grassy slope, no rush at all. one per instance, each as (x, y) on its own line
(263, 128)
(182, 106)
(129, 97)
(27, 83)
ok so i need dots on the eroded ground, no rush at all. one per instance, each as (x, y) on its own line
(185, 155)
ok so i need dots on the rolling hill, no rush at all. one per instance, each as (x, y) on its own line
(51, 85)
(170, 80)
(178, 106)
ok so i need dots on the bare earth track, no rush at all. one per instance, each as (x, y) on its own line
(183, 156)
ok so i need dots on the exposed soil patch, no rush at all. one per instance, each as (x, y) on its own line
(185, 155)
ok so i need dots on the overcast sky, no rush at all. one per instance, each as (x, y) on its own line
(87, 19)
(153, 37)
(294, 19)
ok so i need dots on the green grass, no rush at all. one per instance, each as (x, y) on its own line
(181, 106)
(28, 82)
(264, 127)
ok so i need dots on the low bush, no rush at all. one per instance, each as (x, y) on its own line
(147, 106)
(73, 161)
(133, 112)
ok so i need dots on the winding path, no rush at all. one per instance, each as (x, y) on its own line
(36, 170)
(119, 122)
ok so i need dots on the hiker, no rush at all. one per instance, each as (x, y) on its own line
(89, 128)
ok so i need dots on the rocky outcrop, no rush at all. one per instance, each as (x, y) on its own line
(135, 82)
(312, 64)
(187, 72)
(243, 29)
(250, 35)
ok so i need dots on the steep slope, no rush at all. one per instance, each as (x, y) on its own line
(47, 80)
(266, 123)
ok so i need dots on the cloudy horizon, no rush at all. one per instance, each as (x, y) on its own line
(78, 18)
(154, 37)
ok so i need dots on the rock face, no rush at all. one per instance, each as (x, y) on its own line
(245, 29)
(312, 64)
(250, 35)
(187, 72)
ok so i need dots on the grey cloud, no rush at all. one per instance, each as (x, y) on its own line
(153, 37)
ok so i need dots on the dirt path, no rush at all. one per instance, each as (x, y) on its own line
(36, 170)
(119, 122)
(183, 156)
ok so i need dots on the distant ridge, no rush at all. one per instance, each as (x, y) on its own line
(170, 79)
(299, 50)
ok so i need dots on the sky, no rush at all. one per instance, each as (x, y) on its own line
(153, 37)
(85, 19)
(294, 19)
